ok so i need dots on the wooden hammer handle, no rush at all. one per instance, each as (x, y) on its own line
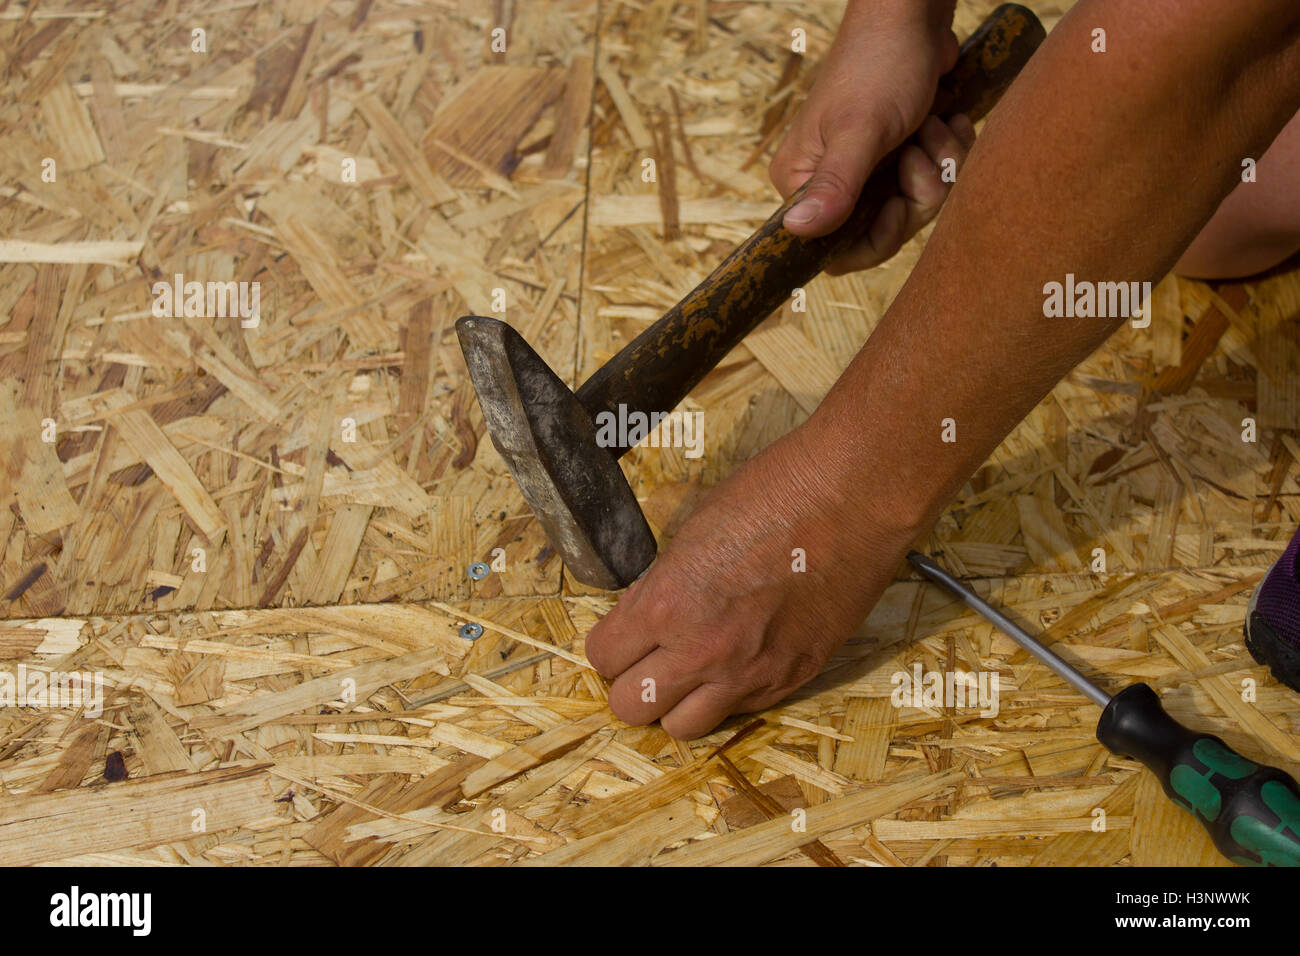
(657, 369)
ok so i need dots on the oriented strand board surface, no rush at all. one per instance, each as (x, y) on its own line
(255, 534)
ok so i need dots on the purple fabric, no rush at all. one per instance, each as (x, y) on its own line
(1278, 600)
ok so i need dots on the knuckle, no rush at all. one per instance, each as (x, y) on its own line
(934, 132)
(597, 655)
(803, 667)
(939, 132)
(745, 649)
(938, 142)
(760, 700)
(666, 599)
(708, 651)
(624, 706)
(781, 676)
(828, 181)
(924, 186)
(700, 717)
(679, 729)
(893, 121)
(963, 129)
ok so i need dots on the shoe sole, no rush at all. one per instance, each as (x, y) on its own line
(1282, 660)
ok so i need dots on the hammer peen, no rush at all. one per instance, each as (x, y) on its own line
(546, 433)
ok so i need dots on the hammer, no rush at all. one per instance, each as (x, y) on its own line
(547, 433)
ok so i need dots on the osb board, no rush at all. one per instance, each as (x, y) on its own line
(452, 753)
(332, 451)
(311, 679)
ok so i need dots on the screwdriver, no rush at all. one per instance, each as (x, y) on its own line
(1251, 812)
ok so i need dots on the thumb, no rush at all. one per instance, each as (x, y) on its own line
(828, 195)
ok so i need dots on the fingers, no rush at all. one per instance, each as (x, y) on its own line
(669, 684)
(927, 169)
(664, 687)
(699, 712)
(961, 125)
(832, 188)
(650, 688)
(649, 680)
(616, 642)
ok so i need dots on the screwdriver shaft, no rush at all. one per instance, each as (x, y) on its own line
(938, 575)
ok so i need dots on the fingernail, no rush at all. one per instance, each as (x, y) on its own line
(805, 210)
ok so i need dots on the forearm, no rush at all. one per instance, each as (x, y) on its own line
(1104, 165)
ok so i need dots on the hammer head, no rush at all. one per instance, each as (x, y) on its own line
(548, 440)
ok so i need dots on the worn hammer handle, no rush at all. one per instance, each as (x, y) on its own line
(657, 369)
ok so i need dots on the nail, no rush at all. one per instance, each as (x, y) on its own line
(805, 210)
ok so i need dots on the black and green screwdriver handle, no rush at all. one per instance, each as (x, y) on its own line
(1251, 812)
